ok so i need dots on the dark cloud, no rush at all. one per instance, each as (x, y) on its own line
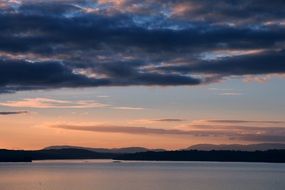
(13, 112)
(262, 63)
(22, 75)
(255, 134)
(71, 43)
(42, 33)
(234, 11)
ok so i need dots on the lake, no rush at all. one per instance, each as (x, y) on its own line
(107, 175)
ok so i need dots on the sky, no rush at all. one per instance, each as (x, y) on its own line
(154, 73)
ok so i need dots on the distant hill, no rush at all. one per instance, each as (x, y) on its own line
(182, 155)
(274, 156)
(126, 150)
(52, 154)
(251, 147)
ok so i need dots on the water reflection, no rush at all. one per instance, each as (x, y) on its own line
(107, 175)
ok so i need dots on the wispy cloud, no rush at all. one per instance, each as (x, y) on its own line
(43, 103)
(168, 120)
(226, 91)
(52, 103)
(231, 94)
(103, 96)
(151, 121)
(255, 134)
(243, 121)
(13, 112)
(262, 78)
(221, 89)
(126, 129)
(128, 108)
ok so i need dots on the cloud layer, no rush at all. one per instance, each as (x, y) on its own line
(72, 43)
(43, 103)
(245, 133)
(52, 103)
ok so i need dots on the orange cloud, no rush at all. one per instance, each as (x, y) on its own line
(272, 134)
(181, 9)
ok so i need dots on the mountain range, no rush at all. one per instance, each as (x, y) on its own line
(239, 147)
(203, 152)
(126, 150)
(206, 147)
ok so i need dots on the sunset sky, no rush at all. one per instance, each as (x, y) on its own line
(154, 73)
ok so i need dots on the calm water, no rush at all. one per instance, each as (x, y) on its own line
(105, 175)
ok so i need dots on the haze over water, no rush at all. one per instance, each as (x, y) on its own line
(106, 175)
